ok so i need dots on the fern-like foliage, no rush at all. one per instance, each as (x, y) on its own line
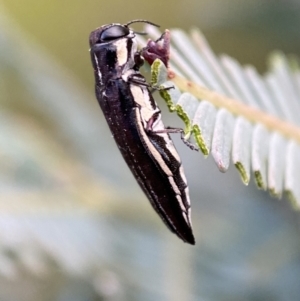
(235, 113)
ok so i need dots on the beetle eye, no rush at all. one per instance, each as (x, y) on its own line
(114, 32)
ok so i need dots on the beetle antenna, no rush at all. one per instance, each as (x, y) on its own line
(141, 21)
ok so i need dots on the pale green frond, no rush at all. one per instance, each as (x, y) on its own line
(235, 113)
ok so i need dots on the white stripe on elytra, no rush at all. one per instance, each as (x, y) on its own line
(142, 98)
(184, 213)
(164, 167)
(182, 175)
(174, 186)
(144, 114)
(150, 146)
(187, 195)
(179, 199)
(98, 69)
(170, 146)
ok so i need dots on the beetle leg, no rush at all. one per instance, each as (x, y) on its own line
(169, 130)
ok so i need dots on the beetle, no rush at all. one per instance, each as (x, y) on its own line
(136, 125)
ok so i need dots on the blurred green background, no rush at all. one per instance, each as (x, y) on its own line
(74, 225)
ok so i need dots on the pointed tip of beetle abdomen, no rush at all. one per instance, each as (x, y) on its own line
(178, 223)
(190, 239)
(186, 235)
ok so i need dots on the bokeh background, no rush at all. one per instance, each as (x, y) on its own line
(74, 224)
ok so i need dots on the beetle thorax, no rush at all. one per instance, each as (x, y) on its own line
(114, 58)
